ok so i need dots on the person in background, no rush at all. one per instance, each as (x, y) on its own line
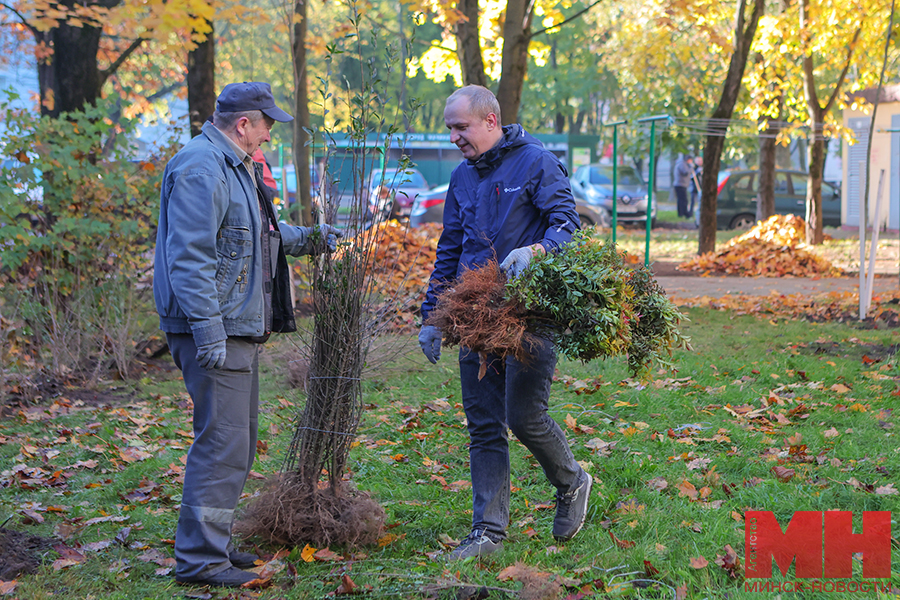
(509, 200)
(684, 172)
(221, 288)
(695, 186)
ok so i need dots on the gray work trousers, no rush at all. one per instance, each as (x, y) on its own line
(226, 408)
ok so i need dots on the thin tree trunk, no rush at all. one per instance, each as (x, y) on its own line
(301, 114)
(765, 206)
(516, 37)
(715, 141)
(201, 81)
(468, 44)
(815, 154)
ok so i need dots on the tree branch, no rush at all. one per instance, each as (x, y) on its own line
(840, 82)
(569, 20)
(20, 16)
(109, 71)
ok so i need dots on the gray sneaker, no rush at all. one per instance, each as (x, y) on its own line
(571, 509)
(476, 544)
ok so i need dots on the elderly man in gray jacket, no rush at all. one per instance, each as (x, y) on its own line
(221, 286)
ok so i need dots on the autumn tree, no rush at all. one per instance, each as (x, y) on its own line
(505, 36)
(744, 31)
(79, 46)
(806, 64)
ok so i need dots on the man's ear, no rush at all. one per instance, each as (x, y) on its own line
(491, 121)
(241, 126)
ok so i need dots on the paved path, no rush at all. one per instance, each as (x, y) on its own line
(693, 286)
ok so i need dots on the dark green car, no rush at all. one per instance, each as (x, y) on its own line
(736, 205)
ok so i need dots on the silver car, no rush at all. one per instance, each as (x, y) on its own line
(592, 188)
(391, 191)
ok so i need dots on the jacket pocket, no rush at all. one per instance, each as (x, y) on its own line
(234, 246)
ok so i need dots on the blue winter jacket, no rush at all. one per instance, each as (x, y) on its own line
(514, 195)
(208, 269)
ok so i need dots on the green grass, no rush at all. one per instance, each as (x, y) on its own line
(737, 362)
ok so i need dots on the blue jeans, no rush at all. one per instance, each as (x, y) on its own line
(511, 395)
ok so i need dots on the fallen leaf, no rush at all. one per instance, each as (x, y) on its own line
(658, 484)
(699, 562)
(8, 587)
(830, 433)
(730, 562)
(782, 473)
(687, 489)
(325, 555)
(887, 490)
(308, 553)
(621, 543)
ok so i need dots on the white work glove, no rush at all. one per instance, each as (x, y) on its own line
(430, 338)
(517, 261)
(211, 356)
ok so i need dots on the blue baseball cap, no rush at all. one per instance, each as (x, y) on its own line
(251, 95)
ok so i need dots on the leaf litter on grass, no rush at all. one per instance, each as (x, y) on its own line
(625, 433)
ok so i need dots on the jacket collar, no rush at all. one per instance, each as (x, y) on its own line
(221, 142)
(513, 135)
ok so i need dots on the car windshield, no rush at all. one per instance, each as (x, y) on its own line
(603, 176)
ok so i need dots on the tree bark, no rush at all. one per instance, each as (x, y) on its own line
(715, 141)
(468, 44)
(201, 81)
(71, 79)
(815, 153)
(516, 37)
(301, 115)
(765, 206)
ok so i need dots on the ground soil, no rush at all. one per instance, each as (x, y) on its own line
(21, 553)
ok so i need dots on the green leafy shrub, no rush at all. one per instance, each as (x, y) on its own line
(584, 296)
(78, 226)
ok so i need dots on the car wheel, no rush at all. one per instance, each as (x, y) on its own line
(605, 218)
(653, 223)
(586, 221)
(743, 222)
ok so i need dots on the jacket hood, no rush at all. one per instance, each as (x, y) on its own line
(513, 137)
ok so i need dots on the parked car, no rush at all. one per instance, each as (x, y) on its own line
(391, 191)
(592, 188)
(738, 195)
(429, 207)
(291, 182)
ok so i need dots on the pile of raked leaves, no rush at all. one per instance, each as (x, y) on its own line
(772, 248)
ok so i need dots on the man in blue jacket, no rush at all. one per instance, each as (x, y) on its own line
(509, 200)
(221, 286)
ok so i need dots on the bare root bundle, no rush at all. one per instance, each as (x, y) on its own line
(582, 296)
(289, 512)
(475, 313)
